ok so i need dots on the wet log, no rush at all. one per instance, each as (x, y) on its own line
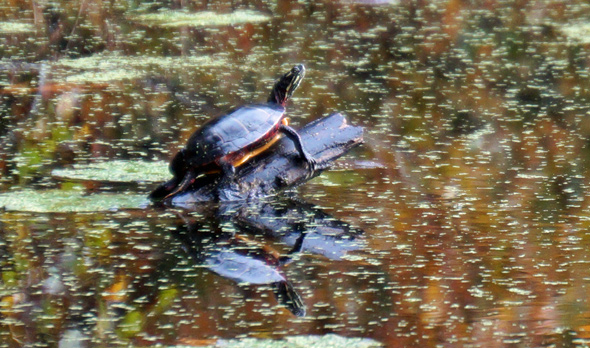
(326, 139)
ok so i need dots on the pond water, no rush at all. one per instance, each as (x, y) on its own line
(463, 219)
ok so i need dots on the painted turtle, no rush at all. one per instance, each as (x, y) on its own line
(230, 140)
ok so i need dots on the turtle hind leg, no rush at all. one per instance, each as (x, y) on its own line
(163, 190)
(178, 169)
(188, 179)
(294, 136)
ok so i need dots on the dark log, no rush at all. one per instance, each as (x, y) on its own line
(326, 139)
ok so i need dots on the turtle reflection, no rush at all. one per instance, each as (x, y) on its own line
(230, 249)
(241, 259)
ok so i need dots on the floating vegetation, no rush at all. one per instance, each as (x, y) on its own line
(330, 340)
(105, 76)
(102, 68)
(372, 2)
(116, 171)
(111, 61)
(16, 27)
(579, 32)
(66, 201)
(200, 19)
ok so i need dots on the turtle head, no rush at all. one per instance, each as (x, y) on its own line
(286, 85)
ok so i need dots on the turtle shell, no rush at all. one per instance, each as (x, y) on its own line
(234, 134)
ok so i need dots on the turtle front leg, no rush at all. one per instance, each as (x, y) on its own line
(228, 169)
(294, 136)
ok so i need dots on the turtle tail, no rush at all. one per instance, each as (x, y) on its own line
(288, 297)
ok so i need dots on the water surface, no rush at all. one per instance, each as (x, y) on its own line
(462, 221)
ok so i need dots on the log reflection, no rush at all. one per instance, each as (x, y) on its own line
(236, 241)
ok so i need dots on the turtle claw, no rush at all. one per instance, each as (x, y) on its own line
(312, 165)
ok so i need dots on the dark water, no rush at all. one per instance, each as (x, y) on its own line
(462, 221)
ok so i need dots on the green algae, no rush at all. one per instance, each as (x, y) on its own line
(199, 19)
(116, 171)
(16, 27)
(325, 341)
(105, 76)
(66, 201)
(579, 32)
(112, 67)
(110, 61)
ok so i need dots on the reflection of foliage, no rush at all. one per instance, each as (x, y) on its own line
(34, 155)
(135, 321)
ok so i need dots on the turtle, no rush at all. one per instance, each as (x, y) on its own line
(230, 140)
